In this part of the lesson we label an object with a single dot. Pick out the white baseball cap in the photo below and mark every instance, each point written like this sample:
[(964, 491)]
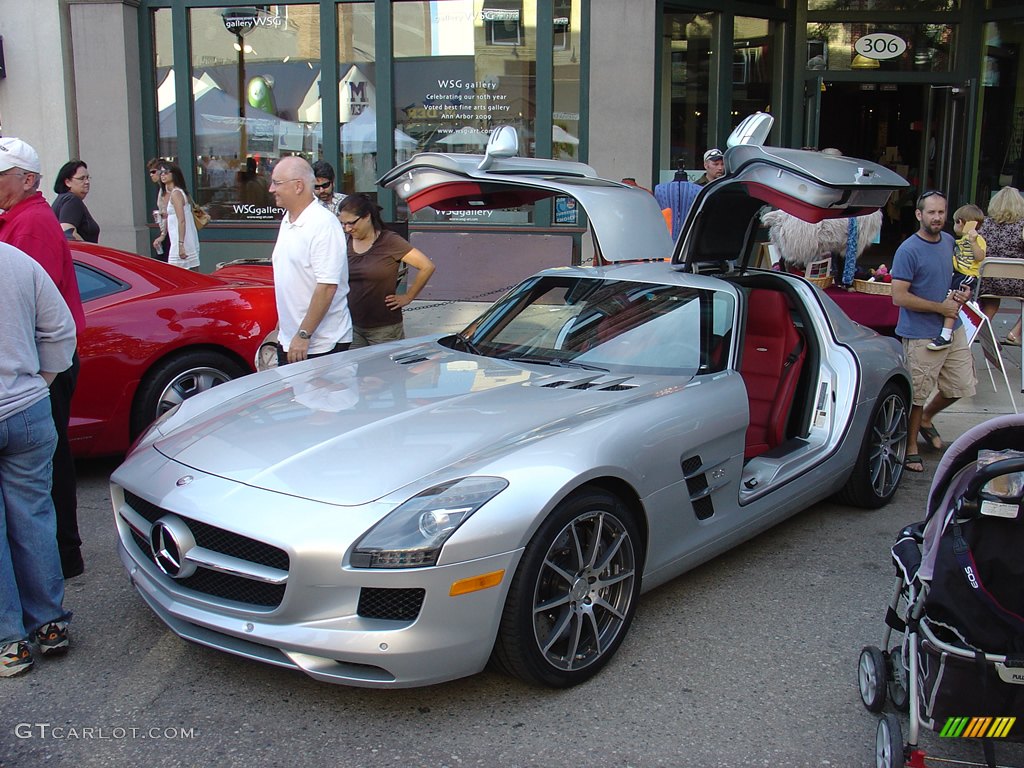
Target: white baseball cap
[(15, 153), (713, 154)]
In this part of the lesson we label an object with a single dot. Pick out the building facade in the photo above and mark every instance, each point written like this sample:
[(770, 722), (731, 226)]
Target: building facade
[(637, 88)]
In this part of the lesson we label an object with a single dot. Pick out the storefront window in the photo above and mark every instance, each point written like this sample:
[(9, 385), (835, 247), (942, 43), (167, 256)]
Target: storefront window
[(1001, 159), (357, 100), (565, 127), (883, 5), (163, 54), (690, 37), (462, 67), (751, 67), (255, 73), (839, 46)]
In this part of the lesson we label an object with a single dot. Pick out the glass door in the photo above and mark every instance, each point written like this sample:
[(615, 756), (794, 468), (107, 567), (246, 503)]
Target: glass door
[(944, 149)]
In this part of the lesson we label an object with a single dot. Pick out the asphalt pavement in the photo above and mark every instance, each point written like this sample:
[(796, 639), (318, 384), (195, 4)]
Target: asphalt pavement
[(749, 660)]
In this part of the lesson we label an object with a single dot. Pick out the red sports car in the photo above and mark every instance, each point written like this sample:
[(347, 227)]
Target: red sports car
[(156, 335)]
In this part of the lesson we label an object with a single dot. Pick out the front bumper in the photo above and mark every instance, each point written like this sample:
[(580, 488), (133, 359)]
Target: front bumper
[(320, 624)]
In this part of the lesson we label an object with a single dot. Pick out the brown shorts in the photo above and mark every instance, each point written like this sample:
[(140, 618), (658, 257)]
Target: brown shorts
[(951, 370), (365, 337)]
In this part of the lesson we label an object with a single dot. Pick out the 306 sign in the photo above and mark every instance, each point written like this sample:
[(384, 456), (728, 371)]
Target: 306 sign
[(880, 46)]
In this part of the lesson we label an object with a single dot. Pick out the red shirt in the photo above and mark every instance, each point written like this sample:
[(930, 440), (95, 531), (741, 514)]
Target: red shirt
[(32, 227)]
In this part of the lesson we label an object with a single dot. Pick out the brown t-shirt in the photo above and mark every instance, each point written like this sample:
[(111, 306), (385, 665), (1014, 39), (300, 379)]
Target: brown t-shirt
[(372, 276)]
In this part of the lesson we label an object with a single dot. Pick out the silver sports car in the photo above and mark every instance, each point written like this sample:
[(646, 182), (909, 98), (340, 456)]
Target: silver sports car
[(404, 514)]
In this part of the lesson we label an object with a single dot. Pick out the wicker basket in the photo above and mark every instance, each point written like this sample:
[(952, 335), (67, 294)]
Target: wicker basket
[(821, 282), (870, 286)]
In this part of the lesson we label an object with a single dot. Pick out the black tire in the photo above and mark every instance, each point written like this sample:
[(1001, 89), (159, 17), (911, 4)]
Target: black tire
[(592, 537), (871, 670), (889, 752), (176, 379), (879, 467), (897, 681)]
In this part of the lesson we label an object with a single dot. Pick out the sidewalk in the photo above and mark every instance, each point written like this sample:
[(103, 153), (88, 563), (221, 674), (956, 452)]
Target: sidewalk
[(987, 403), (422, 318)]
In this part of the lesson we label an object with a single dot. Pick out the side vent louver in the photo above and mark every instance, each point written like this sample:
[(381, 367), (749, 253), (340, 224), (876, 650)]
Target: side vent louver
[(416, 355), (697, 487), (602, 383)]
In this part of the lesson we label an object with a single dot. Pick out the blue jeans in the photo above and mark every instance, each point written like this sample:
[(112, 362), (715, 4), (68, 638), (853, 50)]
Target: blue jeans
[(31, 582)]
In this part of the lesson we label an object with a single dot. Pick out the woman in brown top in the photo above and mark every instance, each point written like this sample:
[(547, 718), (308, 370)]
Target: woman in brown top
[(375, 255)]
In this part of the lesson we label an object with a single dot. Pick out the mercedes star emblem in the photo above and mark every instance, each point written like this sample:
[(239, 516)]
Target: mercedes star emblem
[(170, 539)]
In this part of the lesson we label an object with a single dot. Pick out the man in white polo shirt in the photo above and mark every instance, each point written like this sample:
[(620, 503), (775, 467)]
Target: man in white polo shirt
[(310, 269)]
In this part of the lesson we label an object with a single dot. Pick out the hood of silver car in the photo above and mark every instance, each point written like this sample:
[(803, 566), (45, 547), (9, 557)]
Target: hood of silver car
[(352, 432)]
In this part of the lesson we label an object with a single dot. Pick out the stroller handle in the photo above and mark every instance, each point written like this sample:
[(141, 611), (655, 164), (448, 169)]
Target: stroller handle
[(969, 500)]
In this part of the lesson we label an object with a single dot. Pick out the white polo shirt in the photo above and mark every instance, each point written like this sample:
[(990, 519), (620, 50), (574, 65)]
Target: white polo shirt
[(310, 250)]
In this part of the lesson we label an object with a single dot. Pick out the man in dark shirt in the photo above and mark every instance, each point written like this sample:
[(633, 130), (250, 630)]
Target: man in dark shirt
[(714, 166), (29, 224)]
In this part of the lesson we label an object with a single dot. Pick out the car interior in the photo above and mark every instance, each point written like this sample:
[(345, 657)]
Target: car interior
[(777, 362), (773, 357)]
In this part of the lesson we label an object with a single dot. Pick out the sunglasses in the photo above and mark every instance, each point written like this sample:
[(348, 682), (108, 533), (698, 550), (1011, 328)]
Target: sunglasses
[(931, 193), (323, 186)]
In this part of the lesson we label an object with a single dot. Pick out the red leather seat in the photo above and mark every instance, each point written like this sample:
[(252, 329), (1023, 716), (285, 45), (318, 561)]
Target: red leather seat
[(773, 356)]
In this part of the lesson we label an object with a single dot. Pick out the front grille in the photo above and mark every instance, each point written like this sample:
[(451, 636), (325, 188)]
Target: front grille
[(236, 588), (236, 545), (394, 604), (214, 583), (216, 539)]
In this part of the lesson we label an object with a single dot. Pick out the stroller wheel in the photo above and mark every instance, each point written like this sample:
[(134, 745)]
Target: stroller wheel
[(899, 693), (889, 743), (871, 678)]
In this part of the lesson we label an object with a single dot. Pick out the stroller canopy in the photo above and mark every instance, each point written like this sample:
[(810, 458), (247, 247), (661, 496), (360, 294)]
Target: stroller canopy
[(998, 434)]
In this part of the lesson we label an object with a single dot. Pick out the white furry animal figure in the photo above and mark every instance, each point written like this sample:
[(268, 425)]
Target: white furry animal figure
[(801, 242)]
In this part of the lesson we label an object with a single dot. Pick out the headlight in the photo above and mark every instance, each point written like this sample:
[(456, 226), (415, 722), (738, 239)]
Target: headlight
[(412, 535)]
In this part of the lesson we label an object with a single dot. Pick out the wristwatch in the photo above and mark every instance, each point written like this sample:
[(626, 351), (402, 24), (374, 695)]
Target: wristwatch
[(303, 334)]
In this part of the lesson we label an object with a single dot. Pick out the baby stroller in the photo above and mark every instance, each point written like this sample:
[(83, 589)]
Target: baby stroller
[(954, 637)]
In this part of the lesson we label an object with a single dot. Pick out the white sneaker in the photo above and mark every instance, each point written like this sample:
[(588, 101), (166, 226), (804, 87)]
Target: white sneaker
[(15, 658)]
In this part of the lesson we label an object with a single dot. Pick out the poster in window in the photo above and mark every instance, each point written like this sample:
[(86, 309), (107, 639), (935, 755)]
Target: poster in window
[(565, 210)]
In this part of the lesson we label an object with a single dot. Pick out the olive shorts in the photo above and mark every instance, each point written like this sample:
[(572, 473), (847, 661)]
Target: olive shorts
[(365, 337), (951, 370)]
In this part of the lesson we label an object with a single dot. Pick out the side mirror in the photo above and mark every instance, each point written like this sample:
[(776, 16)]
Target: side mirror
[(503, 142), (753, 129)]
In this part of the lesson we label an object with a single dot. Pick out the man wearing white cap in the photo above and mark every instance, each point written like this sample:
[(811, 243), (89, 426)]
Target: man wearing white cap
[(29, 224), (714, 166)]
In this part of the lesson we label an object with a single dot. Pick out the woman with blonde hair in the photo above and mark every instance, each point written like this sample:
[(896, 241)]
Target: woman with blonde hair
[(182, 239), (1002, 232)]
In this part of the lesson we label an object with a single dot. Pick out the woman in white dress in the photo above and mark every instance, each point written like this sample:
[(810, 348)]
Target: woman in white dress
[(182, 243)]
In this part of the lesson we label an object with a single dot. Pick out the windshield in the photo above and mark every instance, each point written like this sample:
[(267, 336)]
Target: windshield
[(597, 324)]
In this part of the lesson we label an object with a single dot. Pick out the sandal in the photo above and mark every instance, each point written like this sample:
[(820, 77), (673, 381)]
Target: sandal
[(912, 460), (1011, 341), (931, 435)]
